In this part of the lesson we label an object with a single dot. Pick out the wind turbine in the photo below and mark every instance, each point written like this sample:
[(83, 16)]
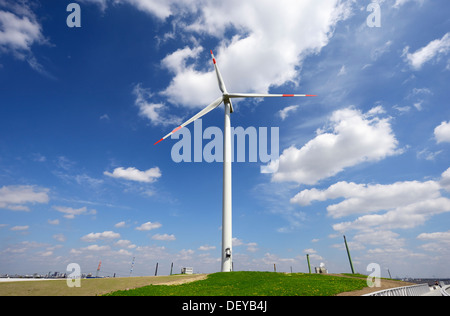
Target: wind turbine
[(226, 202)]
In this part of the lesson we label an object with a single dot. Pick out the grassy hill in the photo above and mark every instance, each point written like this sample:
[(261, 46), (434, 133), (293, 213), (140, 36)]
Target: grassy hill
[(254, 284)]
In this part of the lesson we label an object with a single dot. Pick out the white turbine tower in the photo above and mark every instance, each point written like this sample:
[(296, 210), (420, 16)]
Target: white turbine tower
[(226, 202)]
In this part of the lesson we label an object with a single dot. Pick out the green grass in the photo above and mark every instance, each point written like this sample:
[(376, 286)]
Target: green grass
[(254, 284)]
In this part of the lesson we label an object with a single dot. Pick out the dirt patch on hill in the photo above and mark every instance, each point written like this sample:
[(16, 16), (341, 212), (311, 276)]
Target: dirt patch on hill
[(90, 287), (186, 279)]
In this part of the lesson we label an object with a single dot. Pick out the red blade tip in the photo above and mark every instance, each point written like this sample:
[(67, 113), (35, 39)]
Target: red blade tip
[(158, 141), (176, 129)]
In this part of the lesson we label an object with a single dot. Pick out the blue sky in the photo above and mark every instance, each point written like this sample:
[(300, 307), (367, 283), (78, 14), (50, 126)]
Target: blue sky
[(80, 110)]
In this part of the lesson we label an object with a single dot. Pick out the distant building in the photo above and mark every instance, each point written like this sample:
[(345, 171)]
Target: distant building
[(187, 270), (321, 269)]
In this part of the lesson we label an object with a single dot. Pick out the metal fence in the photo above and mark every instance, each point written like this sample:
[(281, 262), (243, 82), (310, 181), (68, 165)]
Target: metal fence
[(413, 290)]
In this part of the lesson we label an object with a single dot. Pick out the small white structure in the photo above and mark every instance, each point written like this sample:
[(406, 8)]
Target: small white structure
[(187, 270), (321, 269)]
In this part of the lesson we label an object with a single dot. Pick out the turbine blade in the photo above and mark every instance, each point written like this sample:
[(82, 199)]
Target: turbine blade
[(203, 112), (219, 75), (256, 95)]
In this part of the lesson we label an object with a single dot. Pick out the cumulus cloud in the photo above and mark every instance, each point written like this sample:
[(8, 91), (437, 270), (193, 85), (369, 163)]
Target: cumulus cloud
[(120, 224), (400, 3), (399, 205), (20, 228), (155, 112), (408, 216), (20, 31), (445, 180), (445, 236), (148, 226), (164, 237), (352, 138), (442, 133), (244, 31), (295, 33), (95, 248), (19, 28), (434, 49), (284, 113), (16, 198), (96, 236), (70, 213), (206, 248), (133, 174), (366, 198), (161, 9)]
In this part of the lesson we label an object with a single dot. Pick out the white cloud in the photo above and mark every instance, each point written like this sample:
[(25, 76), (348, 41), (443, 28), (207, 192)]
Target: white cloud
[(309, 251), (206, 248), (363, 198), (445, 180), (343, 71), (133, 174), (354, 138), (246, 62), (284, 113), (294, 29), (53, 222), (404, 217), (18, 32), (164, 237), (381, 238), (176, 62), (440, 236), (252, 247), (158, 8), (155, 112), (94, 248), (148, 226), (270, 259), (20, 228), (400, 3), (125, 244), (71, 212), (96, 236), (120, 224), (186, 254), (434, 49), (400, 205), (442, 132), (60, 237), (438, 242), (15, 198)]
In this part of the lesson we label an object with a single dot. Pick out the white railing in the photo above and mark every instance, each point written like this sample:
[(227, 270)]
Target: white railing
[(445, 290), (413, 290)]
